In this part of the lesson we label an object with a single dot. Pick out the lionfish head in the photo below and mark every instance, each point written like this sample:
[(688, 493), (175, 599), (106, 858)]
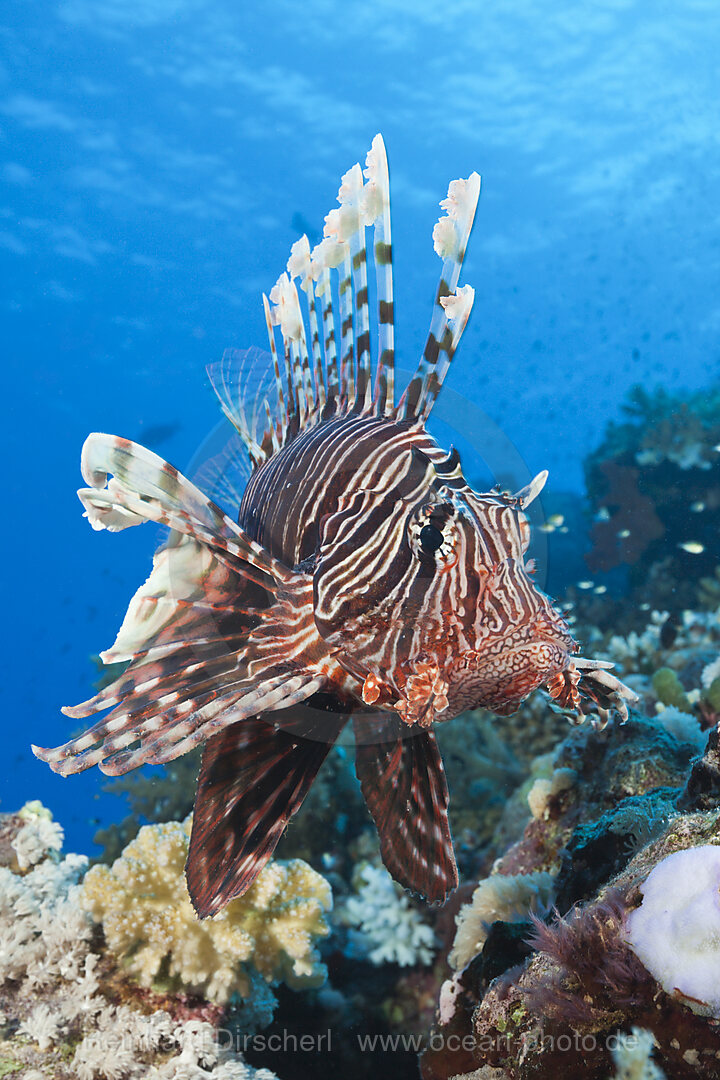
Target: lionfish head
[(422, 589)]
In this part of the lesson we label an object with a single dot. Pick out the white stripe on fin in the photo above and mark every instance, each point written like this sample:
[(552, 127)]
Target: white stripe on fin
[(450, 237), (377, 210), (328, 340)]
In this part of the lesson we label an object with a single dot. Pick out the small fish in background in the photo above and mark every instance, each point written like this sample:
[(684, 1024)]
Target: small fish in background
[(157, 434), (697, 507), (669, 630), (693, 547), (357, 578)]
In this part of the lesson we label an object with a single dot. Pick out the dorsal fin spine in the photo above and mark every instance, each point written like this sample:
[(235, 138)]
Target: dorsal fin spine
[(450, 237), (335, 375), (350, 224), (299, 266), (324, 293), (378, 191), (283, 406), (347, 362)]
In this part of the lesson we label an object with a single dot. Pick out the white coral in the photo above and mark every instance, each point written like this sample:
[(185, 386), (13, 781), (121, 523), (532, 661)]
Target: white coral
[(39, 836), (42, 1026), (392, 930), (676, 929), (43, 934), (683, 726), (710, 673)]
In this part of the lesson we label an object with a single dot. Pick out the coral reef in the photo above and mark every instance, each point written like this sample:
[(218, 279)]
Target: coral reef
[(68, 1012), (654, 494), (499, 898), (149, 923), (541, 996), (390, 930)]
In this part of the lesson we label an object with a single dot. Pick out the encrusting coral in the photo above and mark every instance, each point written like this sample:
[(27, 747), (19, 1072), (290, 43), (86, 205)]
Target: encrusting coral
[(148, 921), (639, 795), (500, 897), (676, 929)]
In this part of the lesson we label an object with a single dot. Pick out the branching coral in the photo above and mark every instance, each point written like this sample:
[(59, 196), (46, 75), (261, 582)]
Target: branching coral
[(38, 835), (59, 1021), (148, 920), (392, 930)]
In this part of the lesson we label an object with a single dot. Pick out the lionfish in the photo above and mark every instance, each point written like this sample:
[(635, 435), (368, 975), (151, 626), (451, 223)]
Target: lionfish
[(361, 579)]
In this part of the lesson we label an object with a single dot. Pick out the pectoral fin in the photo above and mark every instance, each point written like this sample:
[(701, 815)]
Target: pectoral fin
[(403, 781), (253, 779)]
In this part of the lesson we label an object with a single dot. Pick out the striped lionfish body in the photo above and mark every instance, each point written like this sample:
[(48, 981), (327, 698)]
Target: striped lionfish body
[(359, 579)]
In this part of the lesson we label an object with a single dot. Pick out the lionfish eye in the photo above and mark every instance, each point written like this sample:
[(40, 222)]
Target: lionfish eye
[(431, 538)]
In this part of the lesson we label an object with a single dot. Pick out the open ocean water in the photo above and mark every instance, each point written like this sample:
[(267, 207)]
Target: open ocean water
[(158, 158)]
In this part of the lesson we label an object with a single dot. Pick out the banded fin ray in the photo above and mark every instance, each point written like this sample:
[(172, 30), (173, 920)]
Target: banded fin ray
[(178, 707), (403, 783), (452, 304), (147, 488), (333, 374), (253, 779), (185, 696), (243, 381)]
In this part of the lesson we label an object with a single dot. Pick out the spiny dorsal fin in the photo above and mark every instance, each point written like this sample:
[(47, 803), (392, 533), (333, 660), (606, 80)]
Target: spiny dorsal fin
[(313, 383), (299, 266), (452, 305), (377, 194)]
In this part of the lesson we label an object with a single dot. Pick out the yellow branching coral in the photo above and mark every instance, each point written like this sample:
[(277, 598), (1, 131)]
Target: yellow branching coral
[(144, 907)]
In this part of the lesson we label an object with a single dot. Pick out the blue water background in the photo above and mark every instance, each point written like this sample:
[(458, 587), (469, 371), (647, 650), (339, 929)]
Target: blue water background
[(160, 156)]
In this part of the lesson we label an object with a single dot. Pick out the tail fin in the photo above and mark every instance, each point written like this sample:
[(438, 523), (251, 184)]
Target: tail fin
[(253, 779), (403, 782)]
